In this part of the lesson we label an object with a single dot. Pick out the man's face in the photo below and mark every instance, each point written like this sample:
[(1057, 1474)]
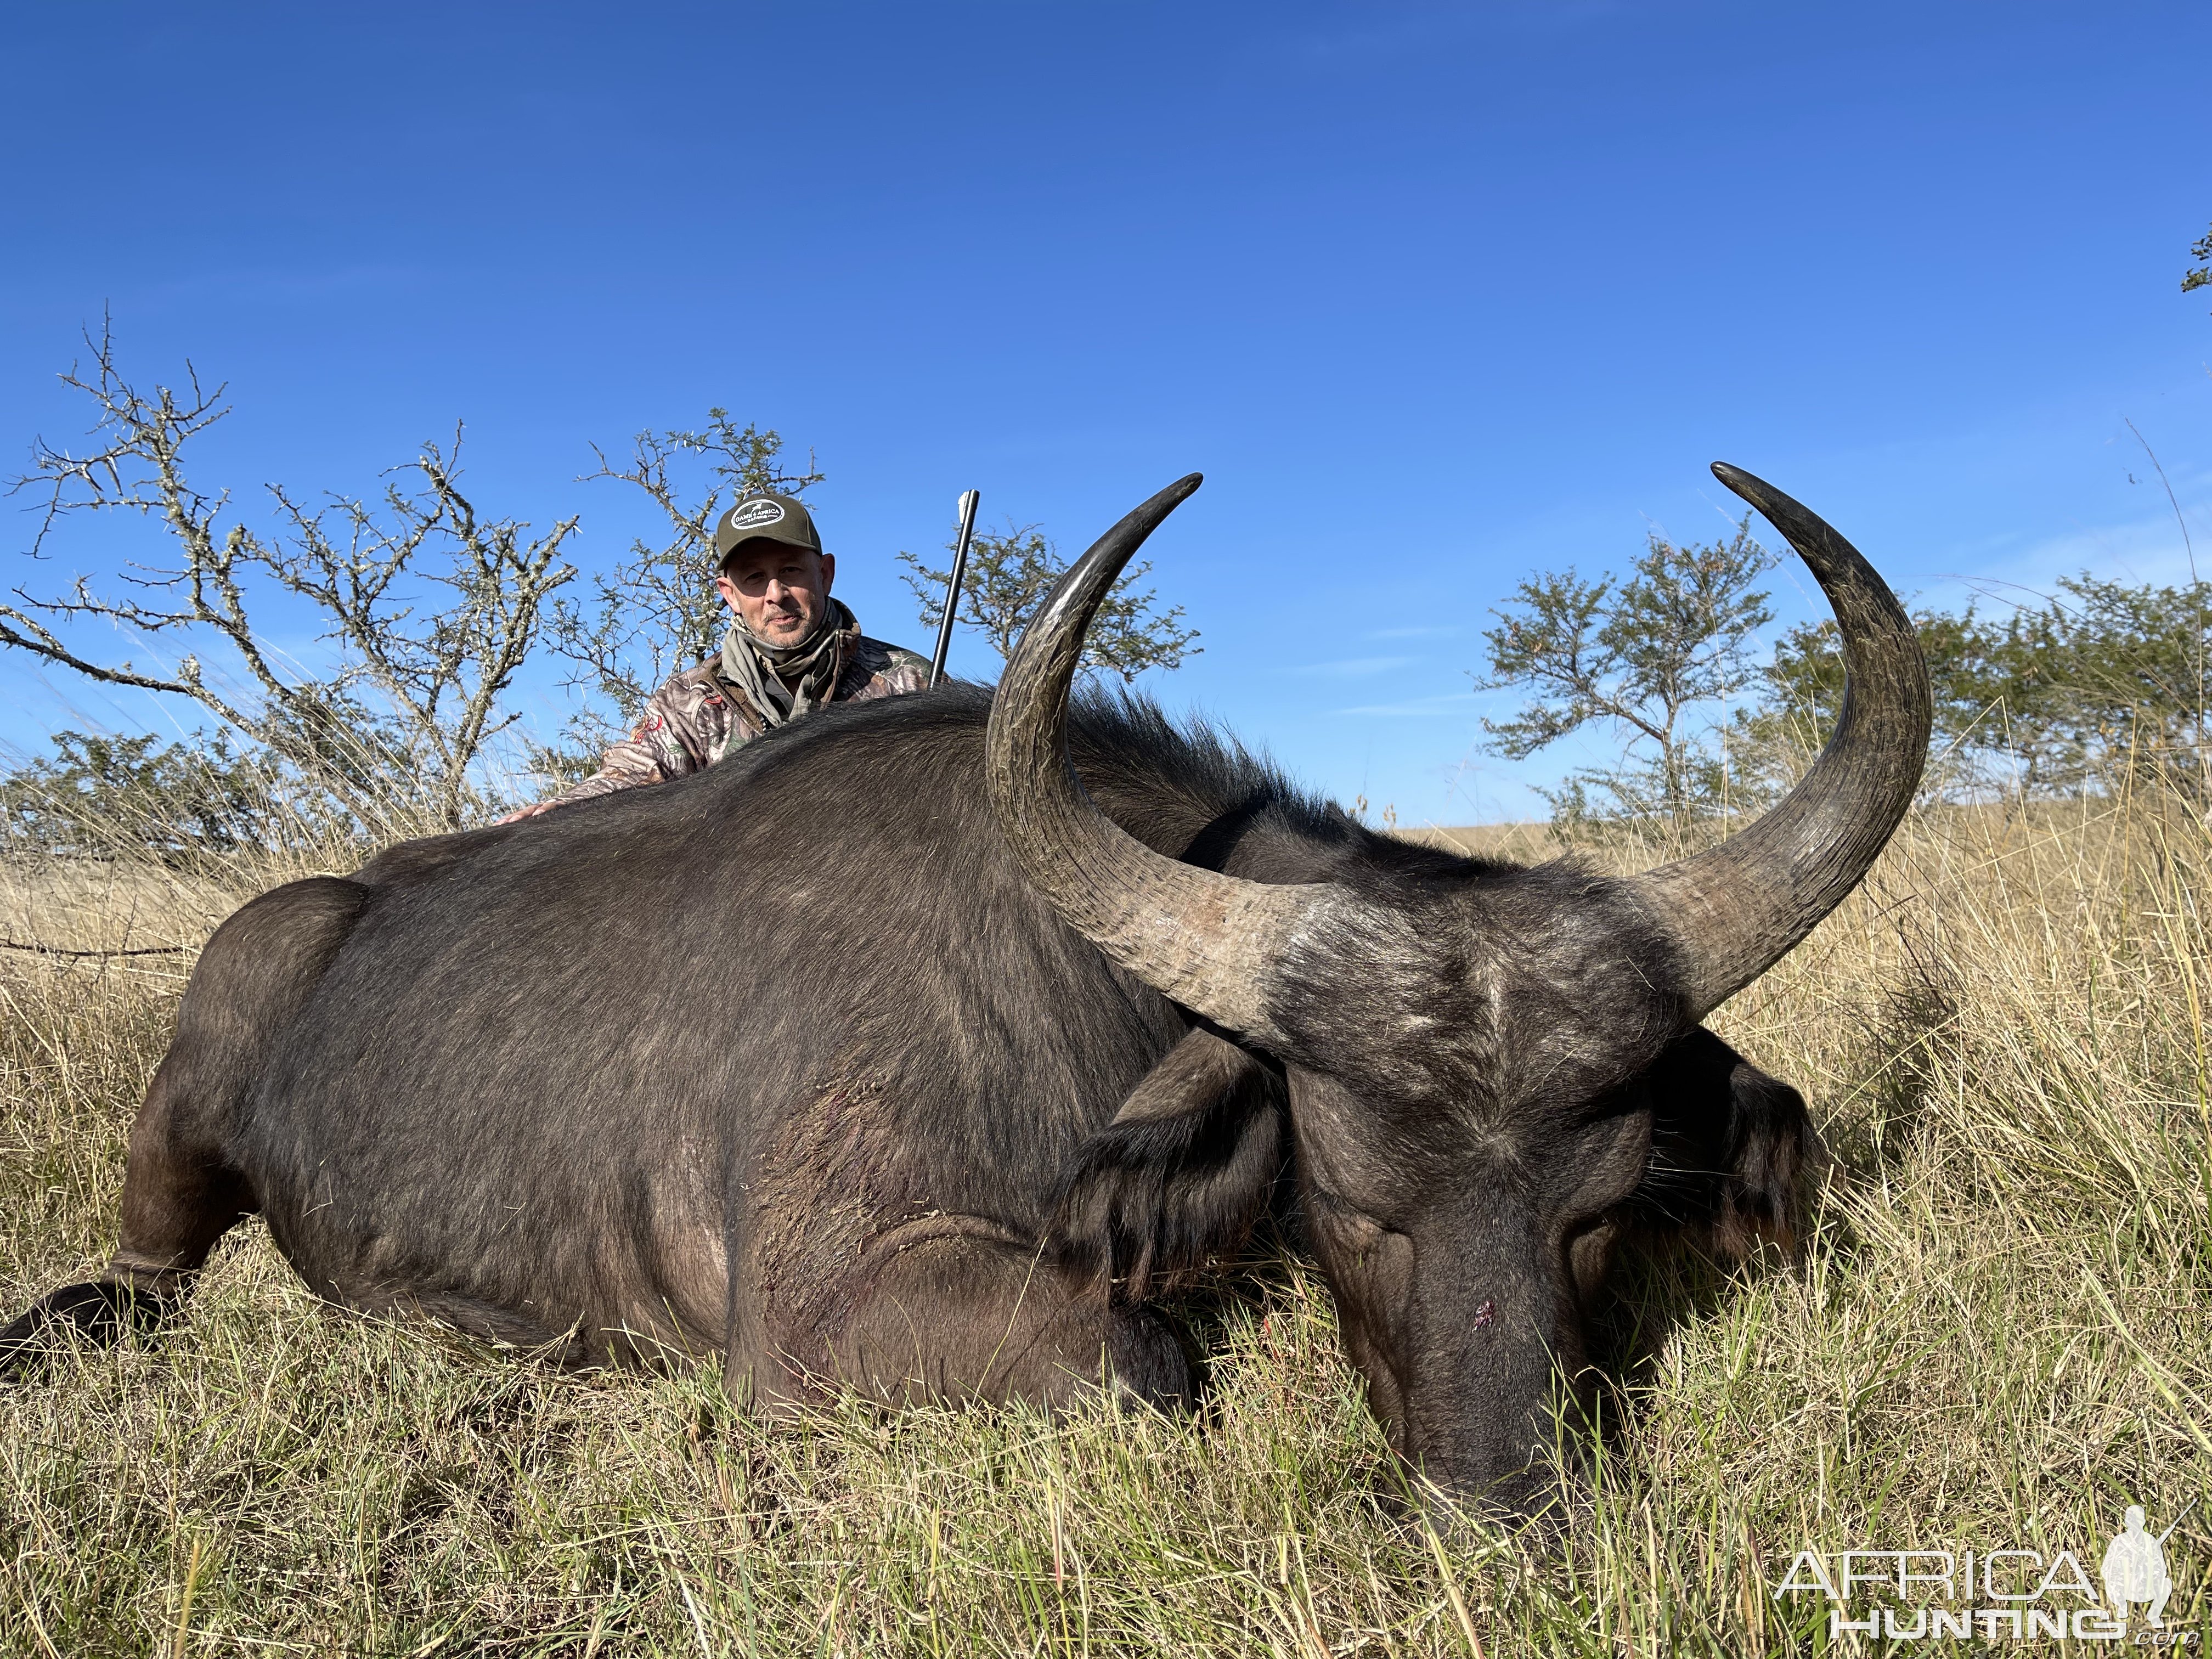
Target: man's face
[(779, 592)]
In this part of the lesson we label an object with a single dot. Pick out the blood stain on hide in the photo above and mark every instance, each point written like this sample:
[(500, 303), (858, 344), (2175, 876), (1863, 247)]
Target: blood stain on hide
[(830, 1182), (1484, 1314)]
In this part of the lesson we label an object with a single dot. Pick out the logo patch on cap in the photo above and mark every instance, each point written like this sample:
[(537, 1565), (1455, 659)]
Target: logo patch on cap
[(752, 515)]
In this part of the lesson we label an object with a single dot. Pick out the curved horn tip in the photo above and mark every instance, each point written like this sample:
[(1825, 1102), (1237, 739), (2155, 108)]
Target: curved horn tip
[(1748, 485), (1151, 512), (1796, 521)]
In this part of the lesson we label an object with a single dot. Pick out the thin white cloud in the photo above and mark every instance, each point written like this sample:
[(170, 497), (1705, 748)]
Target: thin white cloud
[(1449, 703), (2150, 549), (1999, 573), (1352, 668)]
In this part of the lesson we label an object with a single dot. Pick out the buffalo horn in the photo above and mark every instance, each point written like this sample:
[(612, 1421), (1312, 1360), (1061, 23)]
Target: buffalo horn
[(1205, 939), (1735, 908)]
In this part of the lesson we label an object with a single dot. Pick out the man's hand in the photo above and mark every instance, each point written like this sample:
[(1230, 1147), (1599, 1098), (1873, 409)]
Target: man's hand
[(530, 812)]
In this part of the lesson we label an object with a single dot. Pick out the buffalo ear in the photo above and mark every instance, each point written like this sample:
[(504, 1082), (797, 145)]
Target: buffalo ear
[(1180, 1175), (1732, 1150), (1773, 1150)]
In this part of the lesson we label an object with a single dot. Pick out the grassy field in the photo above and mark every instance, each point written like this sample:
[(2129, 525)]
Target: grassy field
[(1994, 1339)]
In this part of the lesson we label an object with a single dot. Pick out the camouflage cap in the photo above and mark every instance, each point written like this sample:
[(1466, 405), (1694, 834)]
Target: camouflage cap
[(764, 518)]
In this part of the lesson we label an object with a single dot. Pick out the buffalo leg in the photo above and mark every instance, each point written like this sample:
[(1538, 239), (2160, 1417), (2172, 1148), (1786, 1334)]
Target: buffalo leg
[(182, 1190), (955, 1309), (175, 1206)]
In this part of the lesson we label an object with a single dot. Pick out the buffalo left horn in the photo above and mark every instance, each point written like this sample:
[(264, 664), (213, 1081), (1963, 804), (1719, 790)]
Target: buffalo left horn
[(1734, 909), (1204, 939)]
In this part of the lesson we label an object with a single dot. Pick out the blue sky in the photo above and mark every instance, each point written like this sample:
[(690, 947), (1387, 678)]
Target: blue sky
[(1436, 295)]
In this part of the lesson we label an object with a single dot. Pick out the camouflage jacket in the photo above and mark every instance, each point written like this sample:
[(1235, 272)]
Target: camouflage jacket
[(697, 717)]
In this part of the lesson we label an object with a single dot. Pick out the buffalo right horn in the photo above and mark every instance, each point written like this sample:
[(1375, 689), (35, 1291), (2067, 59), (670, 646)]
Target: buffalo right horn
[(1206, 940), (1735, 908)]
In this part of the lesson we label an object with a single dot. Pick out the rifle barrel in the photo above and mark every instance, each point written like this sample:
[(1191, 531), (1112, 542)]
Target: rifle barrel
[(968, 500)]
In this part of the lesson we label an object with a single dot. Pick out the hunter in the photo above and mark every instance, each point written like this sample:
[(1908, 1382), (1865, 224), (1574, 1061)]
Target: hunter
[(790, 648)]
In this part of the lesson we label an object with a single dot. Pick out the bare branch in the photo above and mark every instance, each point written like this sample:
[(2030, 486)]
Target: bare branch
[(438, 669)]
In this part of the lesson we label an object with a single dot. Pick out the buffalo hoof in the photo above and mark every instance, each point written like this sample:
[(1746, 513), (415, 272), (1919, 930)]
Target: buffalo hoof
[(98, 1314)]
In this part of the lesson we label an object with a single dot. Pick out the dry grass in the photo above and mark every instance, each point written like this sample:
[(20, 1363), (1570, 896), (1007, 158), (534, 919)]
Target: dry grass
[(1996, 1340)]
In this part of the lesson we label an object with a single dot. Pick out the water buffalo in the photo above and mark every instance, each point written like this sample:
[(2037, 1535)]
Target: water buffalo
[(919, 1046)]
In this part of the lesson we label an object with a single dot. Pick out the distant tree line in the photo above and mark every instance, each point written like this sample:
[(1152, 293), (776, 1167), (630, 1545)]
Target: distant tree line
[(2069, 695)]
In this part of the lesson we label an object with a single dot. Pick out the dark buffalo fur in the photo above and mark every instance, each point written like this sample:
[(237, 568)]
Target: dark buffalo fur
[(787, 1062)]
